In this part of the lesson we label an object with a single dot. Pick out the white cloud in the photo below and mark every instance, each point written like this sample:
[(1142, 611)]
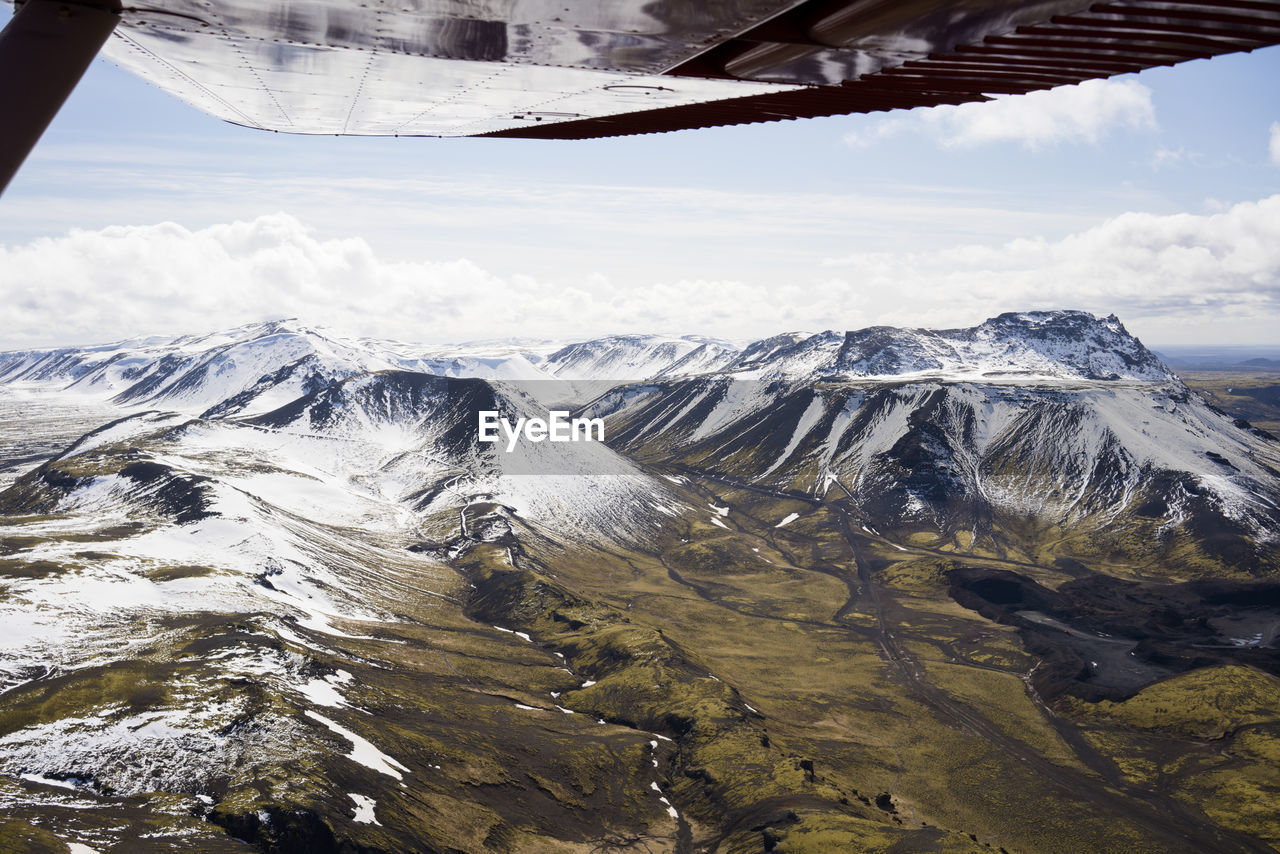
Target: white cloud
[(1275, 143), (1179, 270), (877, 128), (637, 232), (1085, 112), (94, 286), (1175, 157), (1214, 277), (1168, 157)]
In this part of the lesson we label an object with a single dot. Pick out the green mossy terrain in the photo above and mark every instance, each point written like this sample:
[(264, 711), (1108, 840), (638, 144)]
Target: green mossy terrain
[(1211, 738), (1251, 395), (812, 687), (1203, 704)]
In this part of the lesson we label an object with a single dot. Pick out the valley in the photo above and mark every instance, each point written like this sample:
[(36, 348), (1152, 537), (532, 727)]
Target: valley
[(1251, 395), (1003, 589)]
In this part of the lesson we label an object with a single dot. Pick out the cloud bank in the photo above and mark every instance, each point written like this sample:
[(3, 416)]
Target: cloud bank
[(1178, 272), (1206, 277), (1085, 112)]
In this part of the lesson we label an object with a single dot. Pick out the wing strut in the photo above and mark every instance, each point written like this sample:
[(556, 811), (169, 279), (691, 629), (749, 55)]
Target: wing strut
[(44, 51)]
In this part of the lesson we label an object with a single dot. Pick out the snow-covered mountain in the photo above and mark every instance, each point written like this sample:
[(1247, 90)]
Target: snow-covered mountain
[(266, 363), (249, 518), (950, 456), (1028, 346), (261, 366), (1060, 416), (638, 357), (1046, 418)]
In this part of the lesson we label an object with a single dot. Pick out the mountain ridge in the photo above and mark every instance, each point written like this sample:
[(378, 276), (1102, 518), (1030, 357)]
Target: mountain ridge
[(279, 595), (204, 372), (925, 425)]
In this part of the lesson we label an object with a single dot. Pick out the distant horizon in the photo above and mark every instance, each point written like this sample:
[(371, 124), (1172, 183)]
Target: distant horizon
[(1178, 280), (1155, 196), (1260, 349)]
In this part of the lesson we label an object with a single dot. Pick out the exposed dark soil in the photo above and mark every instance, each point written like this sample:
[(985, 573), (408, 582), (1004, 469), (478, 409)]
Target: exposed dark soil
[(1105, 638)]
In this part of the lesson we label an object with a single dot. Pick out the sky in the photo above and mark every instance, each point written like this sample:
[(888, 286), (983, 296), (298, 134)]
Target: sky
[(1153, 196)]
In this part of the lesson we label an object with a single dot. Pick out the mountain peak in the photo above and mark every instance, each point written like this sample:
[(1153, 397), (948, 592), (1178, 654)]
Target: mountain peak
[(1063, 321), (244, 369), (1057, 345)]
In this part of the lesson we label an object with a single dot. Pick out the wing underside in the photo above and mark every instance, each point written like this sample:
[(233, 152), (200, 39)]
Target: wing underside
[(573, 69)]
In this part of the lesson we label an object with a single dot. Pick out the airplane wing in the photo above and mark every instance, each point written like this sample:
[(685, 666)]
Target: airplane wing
[(577, 68), (574, 69)]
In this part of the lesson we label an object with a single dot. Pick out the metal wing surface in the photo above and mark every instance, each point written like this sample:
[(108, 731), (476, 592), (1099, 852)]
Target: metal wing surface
[(590, 68)]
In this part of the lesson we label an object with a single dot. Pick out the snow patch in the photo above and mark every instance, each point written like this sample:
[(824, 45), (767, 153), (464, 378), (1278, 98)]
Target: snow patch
[(47, 781), (362, 751), (364, 809), (324, 692)]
